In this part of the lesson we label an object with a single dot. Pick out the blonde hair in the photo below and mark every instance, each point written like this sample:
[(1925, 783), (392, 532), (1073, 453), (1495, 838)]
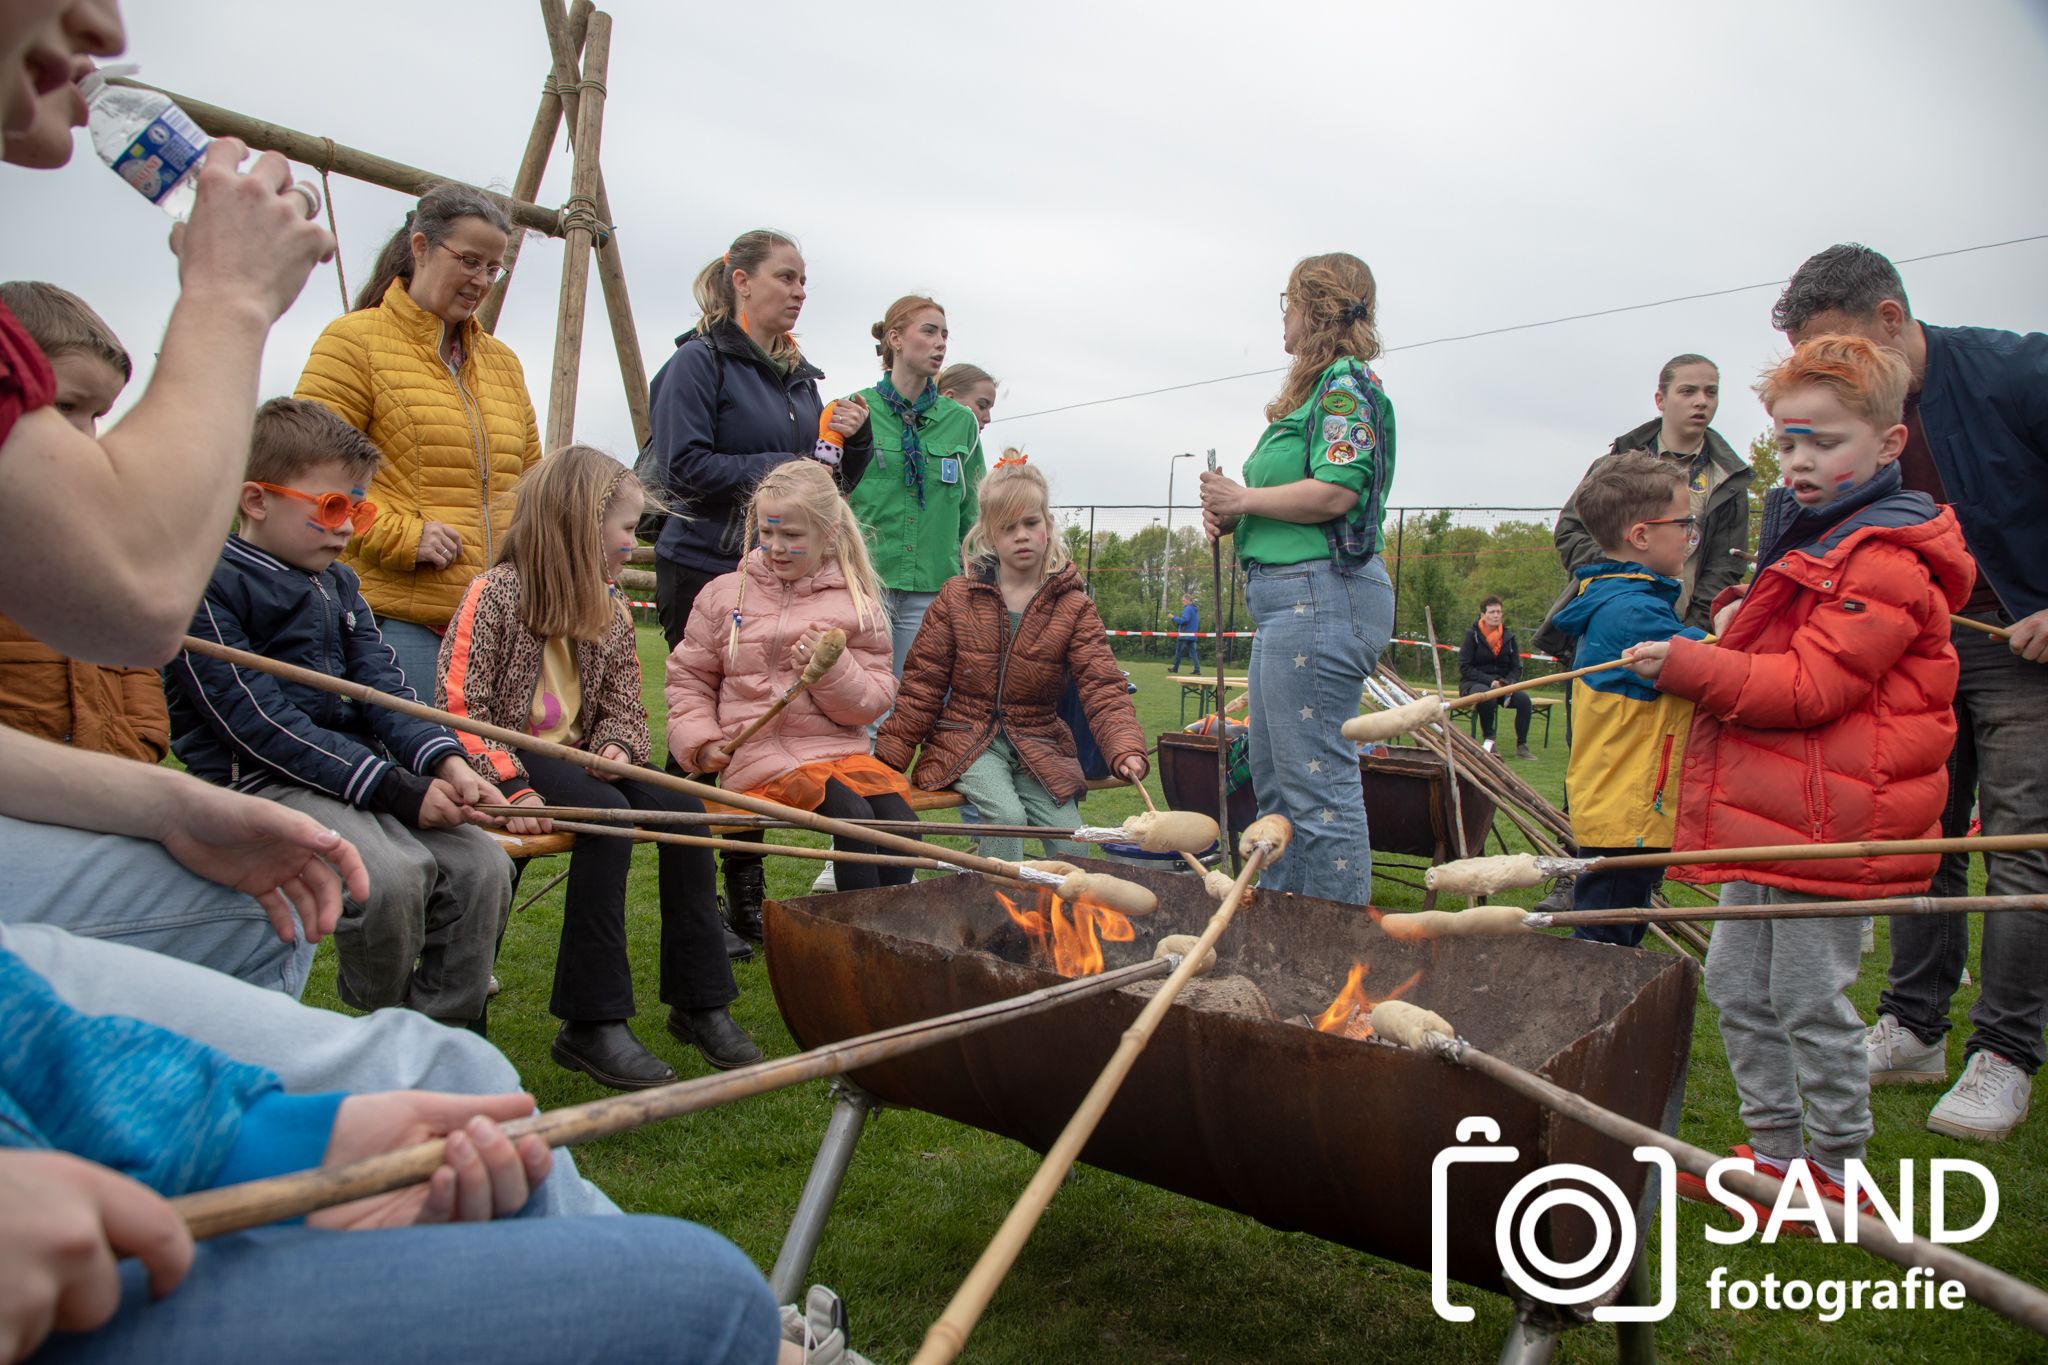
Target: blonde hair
[(718, 302), (895, 320), (556, 543), (955, 379), (1340, 311), (1008, 492), (807, 486)]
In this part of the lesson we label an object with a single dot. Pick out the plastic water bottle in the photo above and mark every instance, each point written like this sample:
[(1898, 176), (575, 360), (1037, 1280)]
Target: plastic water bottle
[(146, 139)]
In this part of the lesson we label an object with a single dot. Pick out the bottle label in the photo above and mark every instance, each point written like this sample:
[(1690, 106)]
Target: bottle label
[(162, 154)]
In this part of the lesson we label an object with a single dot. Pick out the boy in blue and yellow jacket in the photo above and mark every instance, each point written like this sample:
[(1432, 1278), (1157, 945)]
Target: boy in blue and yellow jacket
[(1628, 738)]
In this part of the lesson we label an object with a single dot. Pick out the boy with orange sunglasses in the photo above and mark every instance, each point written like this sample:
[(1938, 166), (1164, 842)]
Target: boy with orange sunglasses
[(397, 788)]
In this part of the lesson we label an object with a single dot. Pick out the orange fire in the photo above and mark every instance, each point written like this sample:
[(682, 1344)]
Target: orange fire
[(1069, 938), (1350, 1014)]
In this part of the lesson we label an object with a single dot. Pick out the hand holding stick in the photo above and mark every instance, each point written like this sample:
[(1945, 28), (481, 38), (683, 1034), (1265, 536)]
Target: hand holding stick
[(827, 653)]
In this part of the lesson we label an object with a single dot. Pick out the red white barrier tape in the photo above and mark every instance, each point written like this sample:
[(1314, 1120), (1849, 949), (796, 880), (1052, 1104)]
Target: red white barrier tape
[(1185, 634)]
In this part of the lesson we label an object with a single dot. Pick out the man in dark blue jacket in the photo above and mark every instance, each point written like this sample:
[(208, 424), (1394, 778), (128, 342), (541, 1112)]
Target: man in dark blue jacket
[(1184, 639), (1977, 424)]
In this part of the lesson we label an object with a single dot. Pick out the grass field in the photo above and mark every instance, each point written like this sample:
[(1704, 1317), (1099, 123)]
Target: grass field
[(1120, 1271)]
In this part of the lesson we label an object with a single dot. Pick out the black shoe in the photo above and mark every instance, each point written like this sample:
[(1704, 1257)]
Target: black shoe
[(712, 1032), (745, 880), (609, 1054), (736, 948)]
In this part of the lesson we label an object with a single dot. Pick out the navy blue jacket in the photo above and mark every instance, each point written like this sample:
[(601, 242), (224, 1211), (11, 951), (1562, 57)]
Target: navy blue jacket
[(722, 418), (237, 727), (1984, 408)]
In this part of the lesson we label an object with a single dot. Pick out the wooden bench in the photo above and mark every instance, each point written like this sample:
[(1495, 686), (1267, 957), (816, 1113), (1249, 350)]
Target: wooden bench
[(521, 847), (1205, 694), (1541, 707)]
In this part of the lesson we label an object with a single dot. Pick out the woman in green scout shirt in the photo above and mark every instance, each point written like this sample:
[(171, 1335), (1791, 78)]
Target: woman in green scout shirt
[(1307, 526), (917, 498)]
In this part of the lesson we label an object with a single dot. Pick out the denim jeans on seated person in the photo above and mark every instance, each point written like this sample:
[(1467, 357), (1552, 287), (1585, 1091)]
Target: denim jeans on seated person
[(1320, 630), (419, 653)]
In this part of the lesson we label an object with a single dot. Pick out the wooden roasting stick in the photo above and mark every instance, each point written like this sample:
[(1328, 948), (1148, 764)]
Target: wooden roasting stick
[(1995, 632), (1374, 726), (1113, 893), (1172, 831), (1483, 876), (1410, 1026), (1510, 919), (1264, 840), (233, 1208), (830, 646)]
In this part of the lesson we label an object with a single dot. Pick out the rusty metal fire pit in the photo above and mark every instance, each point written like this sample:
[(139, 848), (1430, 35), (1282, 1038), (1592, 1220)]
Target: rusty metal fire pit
[(1300, 1129)]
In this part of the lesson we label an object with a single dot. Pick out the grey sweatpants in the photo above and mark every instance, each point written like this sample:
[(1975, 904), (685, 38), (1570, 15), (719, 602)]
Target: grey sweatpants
[(428, 936), (1790, 1031), (312, 1051)]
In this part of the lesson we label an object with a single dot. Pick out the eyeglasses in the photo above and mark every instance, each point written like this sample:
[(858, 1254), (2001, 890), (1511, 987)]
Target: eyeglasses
[(473, 264), (1691, 525), (1285, 300), (331, 511)]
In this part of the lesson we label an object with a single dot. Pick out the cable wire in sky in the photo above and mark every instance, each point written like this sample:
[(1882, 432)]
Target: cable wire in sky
[(1498, 331)]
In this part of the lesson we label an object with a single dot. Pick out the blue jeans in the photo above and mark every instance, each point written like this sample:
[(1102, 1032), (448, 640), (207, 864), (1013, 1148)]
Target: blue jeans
[(906, 614), (1320, 630), (122, 890), (1187, 643), (2001, 731), (419, 654), (1625, 888), (523, 1289)]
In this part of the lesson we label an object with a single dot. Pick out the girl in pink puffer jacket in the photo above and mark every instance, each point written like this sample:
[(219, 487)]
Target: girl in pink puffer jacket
[(751, 634)]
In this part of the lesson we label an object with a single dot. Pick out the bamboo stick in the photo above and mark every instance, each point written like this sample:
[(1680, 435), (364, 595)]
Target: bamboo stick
[(1450, 762), (514, 739), (1222, 703), (747, 846), (1265, 839), (578, 217), (1995, 1289), (233, 1208), (657, 818), (565, 43), (1903, 905), (326, 153)]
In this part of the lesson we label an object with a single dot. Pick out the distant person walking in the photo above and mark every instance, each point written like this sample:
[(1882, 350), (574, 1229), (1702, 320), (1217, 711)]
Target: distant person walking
[(1184, 627)]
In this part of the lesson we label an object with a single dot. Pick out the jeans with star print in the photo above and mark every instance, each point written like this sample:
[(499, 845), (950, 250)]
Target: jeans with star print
[(1321, 628)]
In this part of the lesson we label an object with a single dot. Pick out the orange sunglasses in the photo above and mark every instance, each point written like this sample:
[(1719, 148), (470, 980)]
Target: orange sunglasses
[(331, 511)]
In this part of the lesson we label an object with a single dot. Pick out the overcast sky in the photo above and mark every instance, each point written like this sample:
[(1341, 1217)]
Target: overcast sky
[(1108, 197)]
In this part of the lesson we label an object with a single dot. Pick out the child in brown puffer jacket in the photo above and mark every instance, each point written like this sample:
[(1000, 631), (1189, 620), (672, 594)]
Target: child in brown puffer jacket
[(982, 683)]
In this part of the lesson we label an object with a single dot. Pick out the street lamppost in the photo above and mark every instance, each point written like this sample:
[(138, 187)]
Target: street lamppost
[(1166, 574)]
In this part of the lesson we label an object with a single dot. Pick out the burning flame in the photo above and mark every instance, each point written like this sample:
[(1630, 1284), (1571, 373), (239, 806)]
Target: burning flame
[(1069, 938), (1350, 1014)]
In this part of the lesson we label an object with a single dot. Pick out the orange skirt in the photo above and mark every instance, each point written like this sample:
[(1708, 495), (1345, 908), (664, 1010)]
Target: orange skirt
[(804, 787)]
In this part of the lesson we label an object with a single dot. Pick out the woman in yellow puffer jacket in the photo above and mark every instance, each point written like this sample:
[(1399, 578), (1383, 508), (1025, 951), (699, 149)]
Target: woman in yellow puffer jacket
[(445, 401)]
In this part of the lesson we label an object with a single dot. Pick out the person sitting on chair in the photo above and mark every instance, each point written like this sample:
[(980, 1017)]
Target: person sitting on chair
[(1488, 659)]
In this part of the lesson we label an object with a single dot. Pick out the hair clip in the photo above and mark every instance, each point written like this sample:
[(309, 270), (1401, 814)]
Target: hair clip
[(1012, 457)]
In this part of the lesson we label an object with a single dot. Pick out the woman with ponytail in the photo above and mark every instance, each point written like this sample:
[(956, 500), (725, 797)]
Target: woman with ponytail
[(736, 400), (1306, 522), (917, 500), (412, 369)]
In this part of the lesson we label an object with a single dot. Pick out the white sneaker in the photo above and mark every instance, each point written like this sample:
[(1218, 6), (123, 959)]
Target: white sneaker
[(1869, 944), (827, 881), (819, 1327), (1987, 1103), (1897, 1057)]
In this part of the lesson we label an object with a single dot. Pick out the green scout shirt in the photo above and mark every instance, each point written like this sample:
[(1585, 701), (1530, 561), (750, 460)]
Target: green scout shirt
[(916, 549), (1333, 436)]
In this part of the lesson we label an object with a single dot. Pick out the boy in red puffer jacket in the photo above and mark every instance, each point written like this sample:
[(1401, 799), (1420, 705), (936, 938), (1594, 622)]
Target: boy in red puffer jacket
[(1824, 715)]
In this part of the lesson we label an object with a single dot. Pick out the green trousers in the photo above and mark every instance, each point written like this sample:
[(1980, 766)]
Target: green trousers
[(1005, 793)]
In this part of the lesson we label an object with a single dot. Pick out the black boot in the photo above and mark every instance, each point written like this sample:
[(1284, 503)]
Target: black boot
[(1560, 897), (745, 879), (609, 1054), (712, 1032), (737, 949)]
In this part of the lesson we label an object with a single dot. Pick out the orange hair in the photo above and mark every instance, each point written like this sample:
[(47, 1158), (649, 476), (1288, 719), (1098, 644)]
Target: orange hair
[(1869, 379)]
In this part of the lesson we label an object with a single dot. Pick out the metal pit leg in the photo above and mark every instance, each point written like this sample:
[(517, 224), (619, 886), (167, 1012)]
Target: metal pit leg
[(1636, 1342), (1532, 1340), (828, 1173)]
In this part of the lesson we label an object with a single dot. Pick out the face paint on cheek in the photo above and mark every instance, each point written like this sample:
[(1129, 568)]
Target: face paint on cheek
[(1849, 477)]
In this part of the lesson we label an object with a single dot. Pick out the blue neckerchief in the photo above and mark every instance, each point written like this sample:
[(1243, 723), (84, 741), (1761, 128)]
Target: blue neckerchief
[(910, 414), (1805, 525)]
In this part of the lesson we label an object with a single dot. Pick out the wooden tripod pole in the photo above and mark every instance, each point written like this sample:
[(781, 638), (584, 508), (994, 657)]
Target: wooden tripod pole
[(948, 1336), (514, 739), (2001, 1293), (533, 164), (579, 222), (233, 1208)]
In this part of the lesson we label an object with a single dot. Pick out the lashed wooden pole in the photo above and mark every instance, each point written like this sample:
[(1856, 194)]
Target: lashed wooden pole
[(233, 1208), (579, 221), (533, 164), (565, 40), (1264, 839)]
